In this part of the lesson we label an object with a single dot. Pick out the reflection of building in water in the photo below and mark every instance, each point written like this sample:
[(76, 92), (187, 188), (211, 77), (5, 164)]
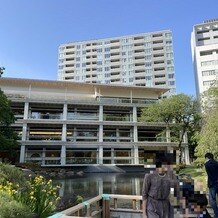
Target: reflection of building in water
[(74, 124), (98, 184)]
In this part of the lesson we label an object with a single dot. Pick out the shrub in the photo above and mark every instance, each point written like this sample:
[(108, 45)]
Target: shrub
[(41, 196), (180, 167), (11, 208), (9, 173)]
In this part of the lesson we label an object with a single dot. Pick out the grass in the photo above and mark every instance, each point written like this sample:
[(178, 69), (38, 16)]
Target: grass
[(199, 175)]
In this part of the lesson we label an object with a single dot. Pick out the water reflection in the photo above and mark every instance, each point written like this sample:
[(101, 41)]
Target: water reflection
[(91, 185)]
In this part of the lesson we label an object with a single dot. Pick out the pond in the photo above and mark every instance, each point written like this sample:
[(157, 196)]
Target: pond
[(93, 184)]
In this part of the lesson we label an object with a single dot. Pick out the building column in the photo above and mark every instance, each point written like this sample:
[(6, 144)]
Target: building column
[(43, 156), (65, 111), (26, 110), (168, 135), (100, 137), (112, 155), (101, 115), (135, 133), (136, 154), (117, 134), (24, 132), (100, 154), (22, 153), (134, 114), (63, 155), (64, 133)]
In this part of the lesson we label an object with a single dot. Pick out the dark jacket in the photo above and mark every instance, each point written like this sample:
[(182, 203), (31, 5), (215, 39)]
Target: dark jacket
[(211, 167)]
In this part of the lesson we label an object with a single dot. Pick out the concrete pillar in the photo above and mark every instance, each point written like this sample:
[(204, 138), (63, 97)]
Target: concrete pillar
[(65, 111), (100, 133), (135, 133), (185, 138), (24, 132), (26, 110), (101, 115), (63, 155), (43, 156), (64, 133), (100, 154), (168, 139), (136, 154), (112, 155), (134, 114), (117, 134), (22, 153)]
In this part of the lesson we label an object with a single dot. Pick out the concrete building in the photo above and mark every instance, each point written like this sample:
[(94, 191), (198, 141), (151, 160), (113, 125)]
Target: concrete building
[(204, 43), (73, 124), (143, 60)]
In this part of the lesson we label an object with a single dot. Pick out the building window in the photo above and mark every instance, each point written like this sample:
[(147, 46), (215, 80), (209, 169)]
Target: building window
[(208, 73), (208, 83), (77, 65), (171, 76), (77, 59), (107, 55), (171, 83), (208, 63)]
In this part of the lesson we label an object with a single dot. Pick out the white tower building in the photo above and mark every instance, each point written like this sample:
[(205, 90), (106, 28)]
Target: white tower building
[(204, 42)]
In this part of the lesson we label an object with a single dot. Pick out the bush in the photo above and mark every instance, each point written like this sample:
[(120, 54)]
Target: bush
[(180, 167), (10, 208), (9, 173), (41, 196)]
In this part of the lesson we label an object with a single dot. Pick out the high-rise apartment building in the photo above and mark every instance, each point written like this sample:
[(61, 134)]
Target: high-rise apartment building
[(143, 60), (204, 42)]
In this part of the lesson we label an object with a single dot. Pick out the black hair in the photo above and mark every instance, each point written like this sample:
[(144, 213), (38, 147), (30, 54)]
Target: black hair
[(208, 155), (199, 199)]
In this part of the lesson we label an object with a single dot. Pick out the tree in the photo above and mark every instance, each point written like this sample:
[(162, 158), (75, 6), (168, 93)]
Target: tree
[(179, 112), (208, 136), (8, 138), (1, 71)]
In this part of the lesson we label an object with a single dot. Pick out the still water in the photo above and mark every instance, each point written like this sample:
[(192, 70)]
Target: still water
[(93, 184)]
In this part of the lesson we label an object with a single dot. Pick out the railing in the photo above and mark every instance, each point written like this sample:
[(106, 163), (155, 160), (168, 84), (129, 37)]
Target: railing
[(117, 118), (106, 206), (47, 116), (81, 160), (152, 139), (82, 117)]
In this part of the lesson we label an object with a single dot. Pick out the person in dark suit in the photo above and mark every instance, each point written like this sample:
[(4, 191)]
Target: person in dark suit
[(211, 167)]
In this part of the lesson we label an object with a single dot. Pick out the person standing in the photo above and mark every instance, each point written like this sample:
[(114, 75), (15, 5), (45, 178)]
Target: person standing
[(156, 191), (211, 167)]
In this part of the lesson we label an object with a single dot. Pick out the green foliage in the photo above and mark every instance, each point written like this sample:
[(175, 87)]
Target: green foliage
[(9, 173), (208, 136), (179, 112), (79, 199), (12, 208), (41, 196), (7, 135), (38, 194)]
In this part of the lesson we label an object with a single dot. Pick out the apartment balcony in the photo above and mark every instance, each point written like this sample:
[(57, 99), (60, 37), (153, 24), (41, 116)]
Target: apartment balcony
[(151, 139), (159, 65), (141, 67), (139, 61), (44, 138), (138, 47), (115, 76), (139, 54), (69, 68), (115, 69)]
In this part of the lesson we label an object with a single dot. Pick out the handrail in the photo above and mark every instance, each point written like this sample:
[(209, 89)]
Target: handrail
[(101, 205)]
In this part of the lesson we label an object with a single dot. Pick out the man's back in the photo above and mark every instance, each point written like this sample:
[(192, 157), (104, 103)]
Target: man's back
[(212, 172)]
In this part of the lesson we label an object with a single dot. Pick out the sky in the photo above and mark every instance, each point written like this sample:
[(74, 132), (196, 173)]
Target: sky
[(32, 30)]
